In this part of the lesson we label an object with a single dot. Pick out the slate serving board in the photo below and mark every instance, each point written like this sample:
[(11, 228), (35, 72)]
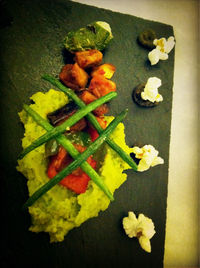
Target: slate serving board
[(32, 35)]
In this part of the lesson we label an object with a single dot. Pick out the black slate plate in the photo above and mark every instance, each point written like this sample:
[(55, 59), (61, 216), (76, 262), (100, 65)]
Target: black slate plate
[(32, 35)]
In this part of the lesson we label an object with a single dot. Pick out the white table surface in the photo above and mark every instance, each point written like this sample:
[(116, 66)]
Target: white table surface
[(182, 241)]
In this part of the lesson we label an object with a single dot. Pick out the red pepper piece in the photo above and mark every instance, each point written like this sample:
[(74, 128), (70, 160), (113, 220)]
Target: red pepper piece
[(78, 180)]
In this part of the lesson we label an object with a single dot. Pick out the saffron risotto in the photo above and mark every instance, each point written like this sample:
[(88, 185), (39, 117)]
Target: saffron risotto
[(60, 210)]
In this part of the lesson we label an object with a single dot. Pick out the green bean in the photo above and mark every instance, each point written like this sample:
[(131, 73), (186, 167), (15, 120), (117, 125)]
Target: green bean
[(76, 163), (126, 157), (68, 123)]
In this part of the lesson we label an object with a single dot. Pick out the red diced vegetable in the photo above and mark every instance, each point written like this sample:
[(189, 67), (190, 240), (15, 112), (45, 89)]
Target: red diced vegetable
[(88, 58), (78, 180), (88, 97), (73, 76), (57, 162), (100, 86), (106, 69), (77, 184)]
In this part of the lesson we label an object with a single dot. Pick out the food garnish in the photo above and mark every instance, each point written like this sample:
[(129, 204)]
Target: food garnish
[(163, 48), (160, 47), (96, 35), (136, 95), (148, 156), (146, 38), (147, 95), (151, 90), (141, 227)]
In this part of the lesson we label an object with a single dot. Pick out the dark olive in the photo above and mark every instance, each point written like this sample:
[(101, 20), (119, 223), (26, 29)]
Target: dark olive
[(138, 99), (146, 38), (62, 113)]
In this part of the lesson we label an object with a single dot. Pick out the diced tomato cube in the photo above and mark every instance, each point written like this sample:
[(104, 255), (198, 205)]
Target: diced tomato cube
[(88, 58), (78, 184), (100, 86), (78, 180), (88, 97), (73, 76), (106, 69), (102, 122)]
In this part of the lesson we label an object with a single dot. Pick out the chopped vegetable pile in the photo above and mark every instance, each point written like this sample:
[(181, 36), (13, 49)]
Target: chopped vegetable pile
[(68, 152), (90, 81)]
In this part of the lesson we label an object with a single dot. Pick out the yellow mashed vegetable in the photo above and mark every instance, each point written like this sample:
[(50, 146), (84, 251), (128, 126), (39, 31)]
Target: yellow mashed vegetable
[(60, 210)]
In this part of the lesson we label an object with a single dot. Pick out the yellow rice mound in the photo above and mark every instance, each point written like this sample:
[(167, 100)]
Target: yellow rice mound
[(60, 210)]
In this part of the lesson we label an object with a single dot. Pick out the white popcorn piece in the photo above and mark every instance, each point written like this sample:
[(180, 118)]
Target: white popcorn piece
[(148, 156), (130, 224), (155, 55), (145, 243), (165, 45), (163, 48), (141, 227), (151, 90)]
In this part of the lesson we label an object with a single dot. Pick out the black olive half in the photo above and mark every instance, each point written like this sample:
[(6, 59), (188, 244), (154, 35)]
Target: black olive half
[(146, 38), (62, 113), (138, 99)]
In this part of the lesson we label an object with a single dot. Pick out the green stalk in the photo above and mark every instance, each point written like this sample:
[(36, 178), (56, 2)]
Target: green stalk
[(79, 161), (67, 124), (126, 157)]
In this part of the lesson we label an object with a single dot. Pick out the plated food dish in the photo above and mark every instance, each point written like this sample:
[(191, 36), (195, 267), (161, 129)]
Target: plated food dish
[(138, 126), (81, 199), (90, 80)]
